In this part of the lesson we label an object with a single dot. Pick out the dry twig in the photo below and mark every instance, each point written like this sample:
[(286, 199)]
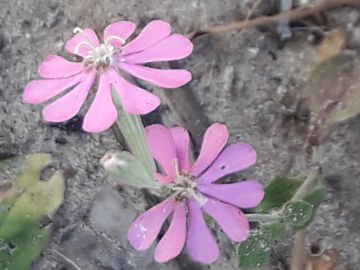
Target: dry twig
[(291, 15)]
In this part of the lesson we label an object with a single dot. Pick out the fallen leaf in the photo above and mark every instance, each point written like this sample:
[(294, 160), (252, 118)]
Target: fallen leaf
[(6, 190), (332, 45), (325, 261)]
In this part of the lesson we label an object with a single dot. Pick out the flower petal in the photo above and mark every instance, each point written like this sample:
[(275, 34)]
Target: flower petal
[(214, 141), (38, 91), (182, 140), (70, 104), (134, 100), (122, 29), (234, 158), (167, 78), (82, 42), (162, 148), (152, 33), (55, 66), (102, 112), (200, 243), (172, 243), (245, 194), (144, 230), (231, 219), (173, 47)]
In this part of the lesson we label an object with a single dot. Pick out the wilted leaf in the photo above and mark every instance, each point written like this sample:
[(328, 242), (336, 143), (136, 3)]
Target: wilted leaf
[(123, 167), (255, 251), (278, 192), (22, 237), (6, 190), (333, 90), (325, 261), (332, 45), (298, 214)]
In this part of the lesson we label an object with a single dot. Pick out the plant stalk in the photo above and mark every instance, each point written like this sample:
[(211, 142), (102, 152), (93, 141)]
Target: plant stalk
[(263, 218), (132, 130)]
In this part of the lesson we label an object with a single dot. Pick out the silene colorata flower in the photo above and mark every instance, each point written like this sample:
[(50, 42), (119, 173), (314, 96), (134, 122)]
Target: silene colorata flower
[(104, 61), (192, 190)]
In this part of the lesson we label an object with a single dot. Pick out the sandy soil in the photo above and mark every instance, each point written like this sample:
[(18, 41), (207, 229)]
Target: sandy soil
[(250, 80)]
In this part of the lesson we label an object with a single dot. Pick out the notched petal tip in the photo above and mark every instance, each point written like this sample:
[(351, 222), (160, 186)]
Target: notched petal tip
[(215, 138), (144, 230)]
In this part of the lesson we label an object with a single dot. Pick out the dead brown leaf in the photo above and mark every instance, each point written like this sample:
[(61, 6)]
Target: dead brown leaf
[(332, 45), (6, 190), (325, 261)]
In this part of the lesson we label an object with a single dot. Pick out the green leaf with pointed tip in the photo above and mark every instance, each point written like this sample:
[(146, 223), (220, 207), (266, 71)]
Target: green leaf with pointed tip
[(278, 192), (255, 251), (298, 214), (21, 236), (123, 167), (316, 196)]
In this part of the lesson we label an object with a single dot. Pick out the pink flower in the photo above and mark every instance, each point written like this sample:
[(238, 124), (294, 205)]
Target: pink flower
[(154, 43), (192, 191)]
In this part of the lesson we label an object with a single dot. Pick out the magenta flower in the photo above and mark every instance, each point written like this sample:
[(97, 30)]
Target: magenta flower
[(154, 43), (192, 190)]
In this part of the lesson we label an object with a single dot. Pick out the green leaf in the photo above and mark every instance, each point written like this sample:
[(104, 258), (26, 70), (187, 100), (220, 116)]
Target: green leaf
[(298, 214), (278, 192), (255, 251), (123, 167), (316, 196), (21, 236)]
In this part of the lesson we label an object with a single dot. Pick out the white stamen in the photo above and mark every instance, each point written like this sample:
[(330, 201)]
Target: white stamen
[(100, 57), (78, 30), (116, 38), (77, 48)]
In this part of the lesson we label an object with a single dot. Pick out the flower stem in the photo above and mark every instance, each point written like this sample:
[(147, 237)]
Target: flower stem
[(133, 132), (263, 218), (307, 186)]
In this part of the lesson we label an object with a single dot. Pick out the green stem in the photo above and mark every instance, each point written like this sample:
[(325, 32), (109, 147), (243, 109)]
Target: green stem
[(263, 218), (307, 186), (133, 132)]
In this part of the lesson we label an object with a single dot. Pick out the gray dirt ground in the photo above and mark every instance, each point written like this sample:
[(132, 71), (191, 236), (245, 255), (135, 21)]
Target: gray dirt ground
[(248, 80)]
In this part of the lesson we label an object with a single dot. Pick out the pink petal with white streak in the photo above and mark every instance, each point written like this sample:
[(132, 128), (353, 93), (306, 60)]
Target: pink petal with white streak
[(214, 141), (54, 67), (231, 219), (144, 230), (234, 158), (173, 47), (152, 33), (134, 100), (102, 112), (162, 148), (245, 194), (200, 243), (167, 78), (182, 143), (70, 104), (122, 29), (82, 42), (173, 241), (38, 91)]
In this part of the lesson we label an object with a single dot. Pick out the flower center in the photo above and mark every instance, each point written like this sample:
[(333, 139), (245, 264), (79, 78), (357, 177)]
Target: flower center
[(99, 58), (184, 187)]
